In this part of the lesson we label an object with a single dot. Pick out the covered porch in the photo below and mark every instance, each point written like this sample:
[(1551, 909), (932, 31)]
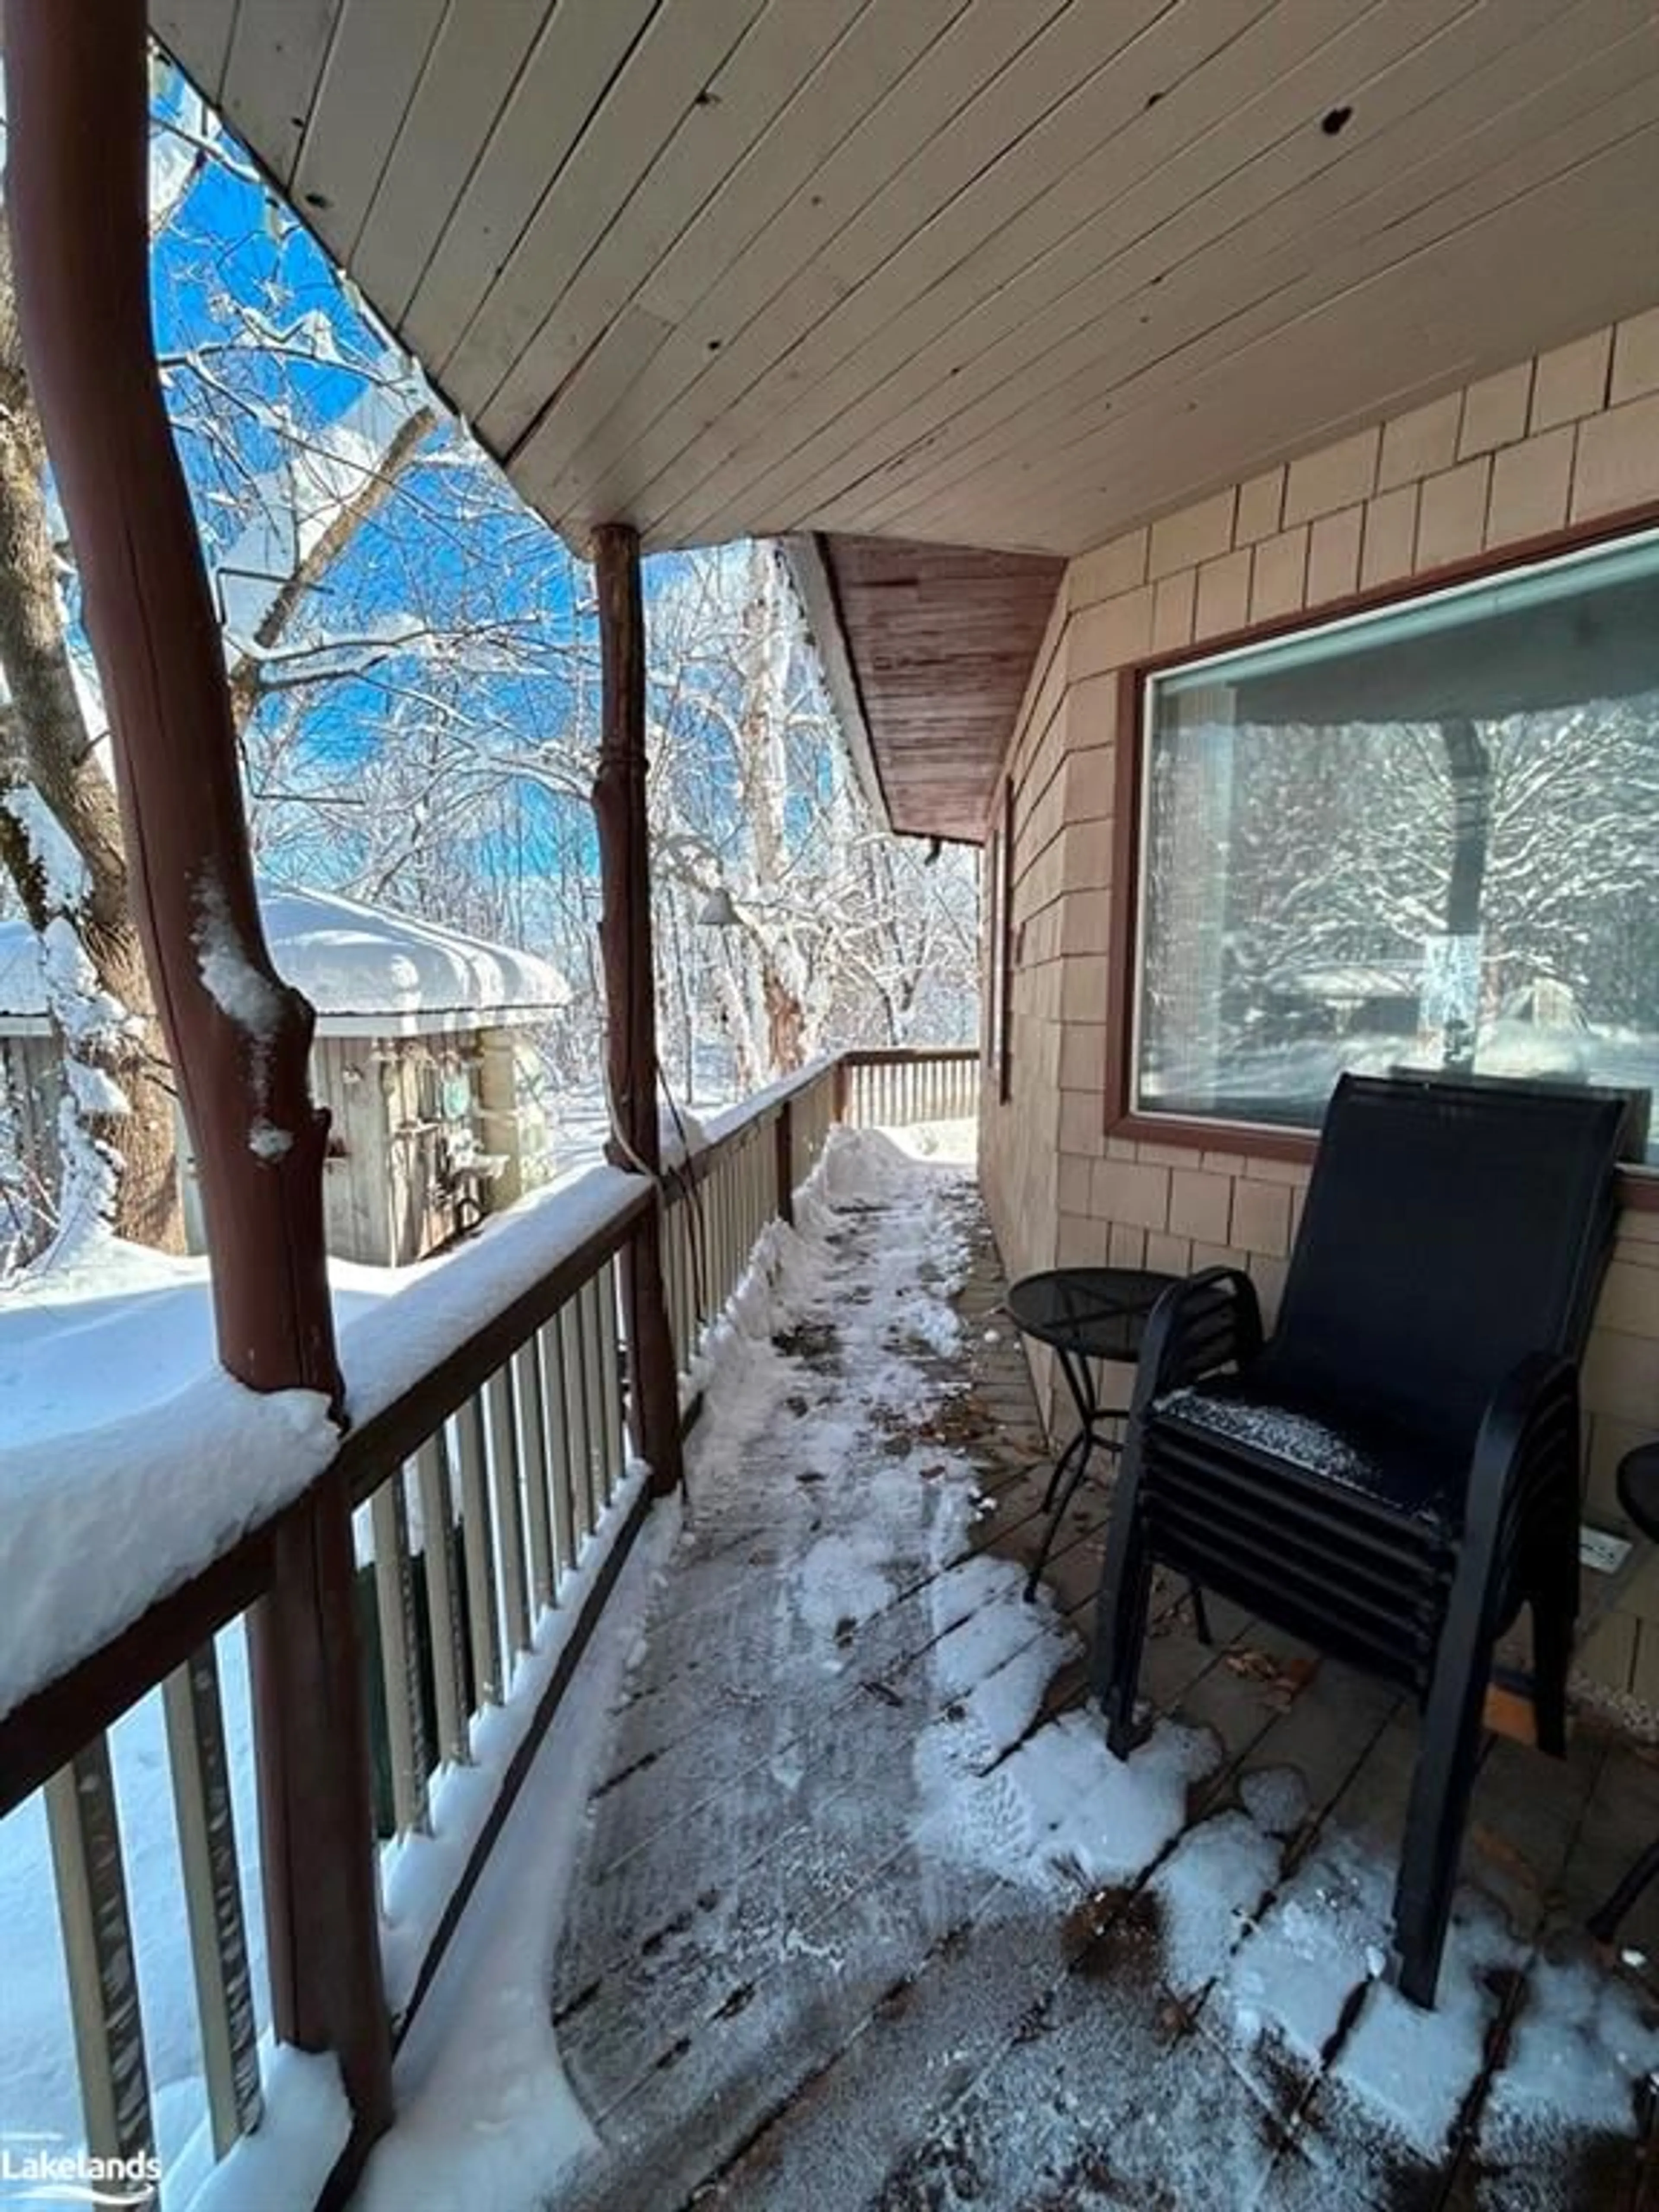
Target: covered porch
[(729, 1462)]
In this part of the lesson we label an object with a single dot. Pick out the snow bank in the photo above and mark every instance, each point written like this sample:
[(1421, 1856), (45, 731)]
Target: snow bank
[(100, 1526), (421, 1872), (116, 1420), (282, 2165), (487, 2118)]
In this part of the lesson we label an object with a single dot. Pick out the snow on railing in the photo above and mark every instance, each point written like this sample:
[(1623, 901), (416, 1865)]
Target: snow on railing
[(493, 1501)]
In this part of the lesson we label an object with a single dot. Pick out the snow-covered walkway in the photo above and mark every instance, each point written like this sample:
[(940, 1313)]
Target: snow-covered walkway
[(863, 1916)]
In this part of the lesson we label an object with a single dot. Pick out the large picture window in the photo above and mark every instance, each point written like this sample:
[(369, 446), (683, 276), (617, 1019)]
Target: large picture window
[(1424, 835)]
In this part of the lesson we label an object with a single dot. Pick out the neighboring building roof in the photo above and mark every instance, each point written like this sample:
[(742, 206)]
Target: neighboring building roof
[(367, 972)]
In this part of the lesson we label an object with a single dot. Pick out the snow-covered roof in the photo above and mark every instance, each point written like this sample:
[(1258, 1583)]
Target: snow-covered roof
[(368, 972)]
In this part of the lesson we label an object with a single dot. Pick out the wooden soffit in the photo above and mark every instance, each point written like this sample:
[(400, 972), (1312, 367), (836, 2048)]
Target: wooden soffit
[(927, 650)]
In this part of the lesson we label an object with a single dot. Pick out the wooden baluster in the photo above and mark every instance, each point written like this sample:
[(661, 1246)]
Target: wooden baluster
[(213, 1896), (442, 1612), (472, 1452), (509, 1523), (569, 1519), (600, 1481), (394, 1596), (673, 1222), (532, 1467), (84, 1826), (576, 1411), (611, 1372)]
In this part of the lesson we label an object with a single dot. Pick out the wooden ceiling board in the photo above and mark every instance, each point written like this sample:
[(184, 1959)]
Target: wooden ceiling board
[(940, 640), (466, 82), (564, 81), (1385, 342), (1106, 140), (1259, 280), (362, 98), (736, 107), (273, 69), (783, 285), (671, 76), (684, 305), (1210, 186), (199, 29), (1002, 149)]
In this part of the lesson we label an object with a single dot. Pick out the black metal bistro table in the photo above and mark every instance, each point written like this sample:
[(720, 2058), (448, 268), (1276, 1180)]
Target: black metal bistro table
[(1084, 1314)]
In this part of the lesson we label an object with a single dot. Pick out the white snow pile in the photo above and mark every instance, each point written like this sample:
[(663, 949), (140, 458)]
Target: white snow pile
[(419, 1873), (113, 1417), (953, 1143), (100, 1526), (283, 2165), (486, 2117)]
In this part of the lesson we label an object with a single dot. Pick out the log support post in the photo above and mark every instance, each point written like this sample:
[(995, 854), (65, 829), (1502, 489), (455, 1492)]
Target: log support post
[(619, 814), (76, 81), (784, 1133)]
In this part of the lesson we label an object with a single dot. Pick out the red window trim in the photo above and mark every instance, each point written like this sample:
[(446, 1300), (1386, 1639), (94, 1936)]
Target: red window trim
[(1639, 1188)]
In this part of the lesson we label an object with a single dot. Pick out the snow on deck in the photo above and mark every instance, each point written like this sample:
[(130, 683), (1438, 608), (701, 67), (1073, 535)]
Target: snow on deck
[(863, 1915)]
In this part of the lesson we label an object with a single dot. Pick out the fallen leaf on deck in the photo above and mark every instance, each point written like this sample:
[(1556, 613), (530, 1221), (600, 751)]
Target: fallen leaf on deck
[(1503, 1855)]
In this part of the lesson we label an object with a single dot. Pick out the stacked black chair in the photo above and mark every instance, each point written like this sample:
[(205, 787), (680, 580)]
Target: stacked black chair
[(1394, 1472)]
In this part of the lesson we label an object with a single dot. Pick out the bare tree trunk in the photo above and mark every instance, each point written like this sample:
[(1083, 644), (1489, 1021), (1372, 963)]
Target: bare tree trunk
[(47, 748), (765, 791), (786, 1022), (1468, 761)]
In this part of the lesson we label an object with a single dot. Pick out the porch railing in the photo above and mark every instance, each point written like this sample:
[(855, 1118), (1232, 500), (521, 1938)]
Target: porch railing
[(897, 1089), (492, 1501)]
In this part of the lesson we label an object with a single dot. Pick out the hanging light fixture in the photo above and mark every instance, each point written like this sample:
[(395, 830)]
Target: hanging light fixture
[(717, 911)]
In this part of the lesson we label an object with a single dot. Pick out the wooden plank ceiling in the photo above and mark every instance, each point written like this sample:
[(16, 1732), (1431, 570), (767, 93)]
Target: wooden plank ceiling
[(1005, 274), (930, 649)]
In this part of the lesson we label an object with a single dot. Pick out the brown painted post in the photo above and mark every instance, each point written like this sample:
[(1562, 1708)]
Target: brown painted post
[(619, 815), (77, 192), (785, 1135), (841, 1095)]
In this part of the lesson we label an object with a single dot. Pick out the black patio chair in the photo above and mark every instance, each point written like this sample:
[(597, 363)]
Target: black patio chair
[(1394, 1472)]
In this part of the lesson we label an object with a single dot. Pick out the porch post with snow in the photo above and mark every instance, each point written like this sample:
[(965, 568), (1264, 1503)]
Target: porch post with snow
[(76, 81), (239, 1040), (630, 988)]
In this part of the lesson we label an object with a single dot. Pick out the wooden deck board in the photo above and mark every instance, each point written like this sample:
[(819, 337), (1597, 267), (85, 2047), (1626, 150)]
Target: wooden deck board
[(769, 1996)]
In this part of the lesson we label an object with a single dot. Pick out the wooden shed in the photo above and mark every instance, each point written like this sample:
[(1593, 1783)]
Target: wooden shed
[(426, 1055)]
